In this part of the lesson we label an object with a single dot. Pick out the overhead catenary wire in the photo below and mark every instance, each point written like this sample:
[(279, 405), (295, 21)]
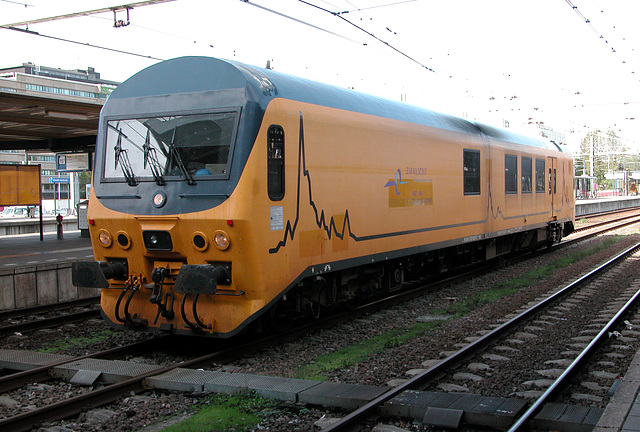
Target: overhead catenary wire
[(339, 15), (353, 16), (17, 3), (584, 18), (297, 20), (81, 43), (599, 34), (377, 6), (85, 13)]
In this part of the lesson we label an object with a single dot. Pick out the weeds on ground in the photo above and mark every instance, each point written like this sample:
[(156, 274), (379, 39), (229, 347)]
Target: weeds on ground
[(218, 413), (353, 354), (77, 342)]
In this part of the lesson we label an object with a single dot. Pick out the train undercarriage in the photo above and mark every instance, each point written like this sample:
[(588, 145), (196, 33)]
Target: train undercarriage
[(349, 287)]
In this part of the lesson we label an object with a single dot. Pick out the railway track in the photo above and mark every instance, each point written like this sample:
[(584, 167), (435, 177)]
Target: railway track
[(53, 307), (103, 394), (624, 220), (32, 318), (431, 375)]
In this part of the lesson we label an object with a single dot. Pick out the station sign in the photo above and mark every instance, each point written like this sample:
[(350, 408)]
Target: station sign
[(72, 162), (58, 179)]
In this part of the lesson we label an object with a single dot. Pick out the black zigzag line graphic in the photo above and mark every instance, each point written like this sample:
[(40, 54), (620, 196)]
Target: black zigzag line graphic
[(331, 228)]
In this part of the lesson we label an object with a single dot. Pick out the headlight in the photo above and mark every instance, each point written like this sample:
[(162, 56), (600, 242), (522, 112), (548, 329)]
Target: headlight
[(104, 238), (157, 240), (221, 240), (159, 199)]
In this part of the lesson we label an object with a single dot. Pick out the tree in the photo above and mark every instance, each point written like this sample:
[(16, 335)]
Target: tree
[(601, 153), (84, 178)]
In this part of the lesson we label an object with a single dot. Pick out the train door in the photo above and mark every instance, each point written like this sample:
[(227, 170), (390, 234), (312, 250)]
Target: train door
[(554, 192)]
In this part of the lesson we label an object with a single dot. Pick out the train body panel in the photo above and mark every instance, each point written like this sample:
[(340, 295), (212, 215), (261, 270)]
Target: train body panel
[(311, 197)]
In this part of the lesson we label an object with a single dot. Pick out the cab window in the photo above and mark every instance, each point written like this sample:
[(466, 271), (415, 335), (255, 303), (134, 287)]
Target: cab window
[(275, 163)]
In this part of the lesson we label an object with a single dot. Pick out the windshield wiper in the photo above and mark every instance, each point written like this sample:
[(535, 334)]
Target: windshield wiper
[(176, 159), (125, 164), (151, 157)]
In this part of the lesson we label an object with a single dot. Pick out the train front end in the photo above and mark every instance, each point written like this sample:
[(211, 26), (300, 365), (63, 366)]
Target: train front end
[(167, 238)]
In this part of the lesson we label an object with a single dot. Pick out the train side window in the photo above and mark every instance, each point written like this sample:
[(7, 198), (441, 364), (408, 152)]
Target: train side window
[(526, 174), (471, 169), (540, 175), (275, 162), (510, 174)]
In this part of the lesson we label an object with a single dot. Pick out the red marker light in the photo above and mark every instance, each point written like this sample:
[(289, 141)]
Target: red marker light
[(230, 222), (92, 222)]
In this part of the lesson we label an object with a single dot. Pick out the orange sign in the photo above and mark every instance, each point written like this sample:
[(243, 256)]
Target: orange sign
[(19, 185)]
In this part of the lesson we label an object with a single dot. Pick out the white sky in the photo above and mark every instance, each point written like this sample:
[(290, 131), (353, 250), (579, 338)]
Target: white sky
[(482, 52)]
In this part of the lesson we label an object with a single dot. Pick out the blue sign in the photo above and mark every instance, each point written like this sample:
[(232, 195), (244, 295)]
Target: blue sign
[(58, 179), (61, 162)]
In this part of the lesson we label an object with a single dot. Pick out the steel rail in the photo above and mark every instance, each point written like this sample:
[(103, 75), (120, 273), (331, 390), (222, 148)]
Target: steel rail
[(352, 419), (49, 322), (570, 371), (48, 307), (41, 373), (74, 405), (599, 224), (569, 242)]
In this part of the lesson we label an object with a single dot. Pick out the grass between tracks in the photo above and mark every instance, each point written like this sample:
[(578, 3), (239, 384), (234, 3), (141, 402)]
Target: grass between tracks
[(77, 342), (350, 355), (239, 412)]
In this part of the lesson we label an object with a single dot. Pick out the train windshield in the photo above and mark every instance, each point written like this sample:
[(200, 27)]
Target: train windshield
[(169, 147)]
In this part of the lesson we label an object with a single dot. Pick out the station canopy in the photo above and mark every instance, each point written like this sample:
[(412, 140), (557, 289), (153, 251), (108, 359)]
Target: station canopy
[(33, 122)]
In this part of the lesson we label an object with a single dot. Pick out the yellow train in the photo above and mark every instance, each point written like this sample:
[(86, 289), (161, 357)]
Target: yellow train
[(224, 193)]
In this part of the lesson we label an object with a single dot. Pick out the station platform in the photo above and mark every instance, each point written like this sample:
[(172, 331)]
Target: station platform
[(586, 207), (27, 249), (35, 272), (22, 225)]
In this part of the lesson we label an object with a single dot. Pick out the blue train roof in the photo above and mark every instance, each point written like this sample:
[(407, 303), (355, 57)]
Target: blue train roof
[(203, 74)]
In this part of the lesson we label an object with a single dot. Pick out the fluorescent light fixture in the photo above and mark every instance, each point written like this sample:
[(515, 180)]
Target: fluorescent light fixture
[(66, 115)]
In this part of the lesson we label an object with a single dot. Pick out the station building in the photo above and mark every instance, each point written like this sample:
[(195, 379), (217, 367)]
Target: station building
[(60, 191)]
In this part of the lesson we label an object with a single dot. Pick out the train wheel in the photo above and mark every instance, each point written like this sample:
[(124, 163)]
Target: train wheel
[(395, 277)]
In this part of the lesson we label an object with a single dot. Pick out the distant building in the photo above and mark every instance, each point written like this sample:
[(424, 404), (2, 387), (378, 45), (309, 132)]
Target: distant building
[(60, 83), (75, 83)]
